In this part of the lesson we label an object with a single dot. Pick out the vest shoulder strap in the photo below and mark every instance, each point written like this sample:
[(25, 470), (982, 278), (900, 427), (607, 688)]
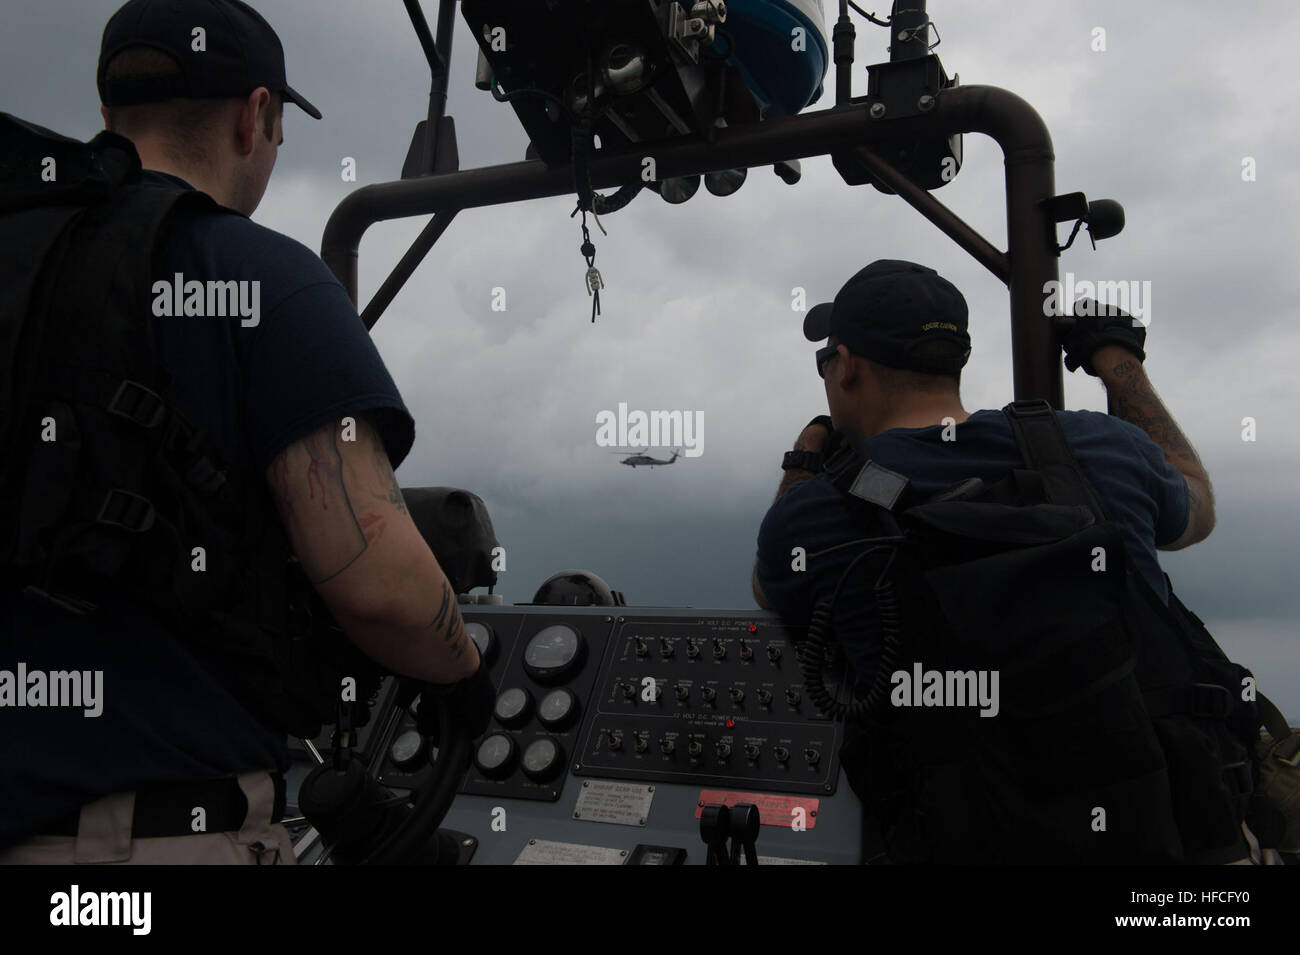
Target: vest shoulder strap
[(1044, 448)]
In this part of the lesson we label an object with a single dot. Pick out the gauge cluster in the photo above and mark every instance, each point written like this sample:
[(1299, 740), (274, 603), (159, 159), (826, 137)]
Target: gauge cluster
[(542, 670)]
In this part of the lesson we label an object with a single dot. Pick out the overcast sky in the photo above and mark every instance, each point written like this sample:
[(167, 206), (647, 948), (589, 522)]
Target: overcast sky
[(697, 311)]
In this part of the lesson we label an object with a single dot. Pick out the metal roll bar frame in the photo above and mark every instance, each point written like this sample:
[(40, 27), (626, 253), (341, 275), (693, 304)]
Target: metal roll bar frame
[(1030, 261)]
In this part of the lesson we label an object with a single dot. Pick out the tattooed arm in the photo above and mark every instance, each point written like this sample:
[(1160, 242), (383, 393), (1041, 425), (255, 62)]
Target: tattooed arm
[(1130, 396), (349, 526)]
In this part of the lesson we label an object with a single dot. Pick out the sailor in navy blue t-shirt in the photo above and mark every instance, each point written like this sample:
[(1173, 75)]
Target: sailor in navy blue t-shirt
[(898, 339), (254, 389), (102, 782)]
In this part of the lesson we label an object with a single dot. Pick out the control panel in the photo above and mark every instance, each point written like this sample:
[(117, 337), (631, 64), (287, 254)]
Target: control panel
[(617, 732)]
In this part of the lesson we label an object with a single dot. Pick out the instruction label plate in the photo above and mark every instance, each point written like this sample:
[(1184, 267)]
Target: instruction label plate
[(772, 810), (624, 804), (545, 852), (780, 860)]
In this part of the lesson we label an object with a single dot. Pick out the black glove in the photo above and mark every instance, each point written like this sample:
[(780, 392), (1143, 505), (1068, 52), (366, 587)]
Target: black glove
[(469, 704), (835, 438), (1089, 332)]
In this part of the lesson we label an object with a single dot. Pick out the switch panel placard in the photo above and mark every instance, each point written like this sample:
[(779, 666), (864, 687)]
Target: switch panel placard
[(717, 700)]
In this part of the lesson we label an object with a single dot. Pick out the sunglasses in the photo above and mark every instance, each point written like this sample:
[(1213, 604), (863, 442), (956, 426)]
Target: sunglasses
[(823, 356)]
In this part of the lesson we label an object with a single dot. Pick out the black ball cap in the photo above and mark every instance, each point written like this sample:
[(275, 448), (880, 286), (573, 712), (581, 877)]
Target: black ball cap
[(235, 52), (897, 313)]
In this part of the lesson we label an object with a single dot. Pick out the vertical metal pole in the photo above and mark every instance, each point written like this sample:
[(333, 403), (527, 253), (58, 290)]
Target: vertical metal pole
[(843, 38), (912, 22), (438, 53), (1031, 248), (438, 87)]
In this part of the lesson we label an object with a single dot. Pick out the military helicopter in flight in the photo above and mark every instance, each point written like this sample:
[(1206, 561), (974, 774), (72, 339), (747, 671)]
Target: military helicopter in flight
[(641, 459)]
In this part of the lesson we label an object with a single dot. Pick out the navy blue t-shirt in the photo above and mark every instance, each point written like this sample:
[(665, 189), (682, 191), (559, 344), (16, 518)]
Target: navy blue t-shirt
[(1145, 494), (255, 389)]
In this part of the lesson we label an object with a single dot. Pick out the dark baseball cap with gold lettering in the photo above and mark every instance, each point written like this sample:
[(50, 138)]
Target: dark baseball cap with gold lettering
[(225, 49), (899, 314)]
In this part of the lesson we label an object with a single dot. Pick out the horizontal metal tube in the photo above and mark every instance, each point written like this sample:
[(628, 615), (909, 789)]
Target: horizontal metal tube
[(1000, 114)]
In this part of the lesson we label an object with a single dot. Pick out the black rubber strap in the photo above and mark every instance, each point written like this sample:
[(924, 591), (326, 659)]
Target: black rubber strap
[(803, 460)]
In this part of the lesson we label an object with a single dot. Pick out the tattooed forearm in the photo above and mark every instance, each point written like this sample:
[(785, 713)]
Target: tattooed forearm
[(1131, 397), (324, 472), (323, 485), (389, 490), (448, 620), (1194, 502)]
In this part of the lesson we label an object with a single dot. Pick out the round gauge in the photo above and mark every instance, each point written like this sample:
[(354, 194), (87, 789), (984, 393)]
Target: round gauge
[(495, 756), (558, 708), (513, 706), (407, 751), (542, 759), (553, 653), (484, 639)]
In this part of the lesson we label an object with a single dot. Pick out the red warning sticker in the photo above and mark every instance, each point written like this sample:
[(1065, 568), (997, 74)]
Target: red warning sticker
[(783, 811)]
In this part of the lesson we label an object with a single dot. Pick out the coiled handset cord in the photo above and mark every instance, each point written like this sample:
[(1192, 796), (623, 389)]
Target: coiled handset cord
[(812, 660)]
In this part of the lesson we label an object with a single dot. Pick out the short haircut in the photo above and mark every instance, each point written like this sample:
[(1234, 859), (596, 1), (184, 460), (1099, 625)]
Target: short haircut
[(184, 124), (905, 379)]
